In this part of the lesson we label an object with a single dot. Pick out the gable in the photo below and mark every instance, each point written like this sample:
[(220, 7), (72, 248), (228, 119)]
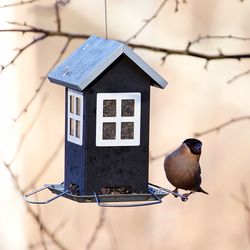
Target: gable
[(94, 56)]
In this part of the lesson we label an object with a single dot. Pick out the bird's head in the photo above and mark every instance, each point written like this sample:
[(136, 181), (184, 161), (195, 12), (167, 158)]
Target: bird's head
[(194, 145)]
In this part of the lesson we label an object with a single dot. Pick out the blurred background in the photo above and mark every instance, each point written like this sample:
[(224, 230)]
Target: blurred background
[(197, 98)]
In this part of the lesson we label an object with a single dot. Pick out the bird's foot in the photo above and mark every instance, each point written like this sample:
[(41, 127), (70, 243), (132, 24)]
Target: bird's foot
[(184, 197), (175, 193)]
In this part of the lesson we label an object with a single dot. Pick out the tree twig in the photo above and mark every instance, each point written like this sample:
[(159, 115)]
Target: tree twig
[(43, 243), (222, 125), (21, 50), (35, 216), (236, 77), (147, 21), (45, 166), (201, 38), (113, 240), (178, 52), (98, 227), (246, 205), (19, 3), (24, 135), (199, 134), (31, 100)]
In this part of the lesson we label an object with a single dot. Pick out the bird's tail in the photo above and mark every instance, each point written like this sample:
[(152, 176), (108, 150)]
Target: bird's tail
[(202, 191)]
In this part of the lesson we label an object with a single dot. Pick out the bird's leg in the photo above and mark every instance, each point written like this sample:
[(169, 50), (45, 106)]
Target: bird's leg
[(187, 194), (175, 192)]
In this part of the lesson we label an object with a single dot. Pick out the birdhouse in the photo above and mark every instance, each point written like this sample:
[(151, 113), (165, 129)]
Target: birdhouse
[(107, 106)]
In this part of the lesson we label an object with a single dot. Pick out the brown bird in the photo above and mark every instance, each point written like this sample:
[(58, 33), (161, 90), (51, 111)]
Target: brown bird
[(182, 167)]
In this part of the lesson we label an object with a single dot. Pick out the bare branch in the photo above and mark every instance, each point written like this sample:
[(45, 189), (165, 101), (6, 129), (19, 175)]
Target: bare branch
[(58, 20), (37, 91), (60, 226), (22, 25), (187, 52), (57, 12), (210, 37), (242, 202), (18, 3), (35, 216), (24, 135), (98, 227), (21, 50), (147, 21), (43, 243), (48, 242), (246, 205), (50, 33), (38, 245), (184, 52), (154, 158), (26, 107), (46, 165), (213, 129), (113, 240), (177, 3), (247, 72), (45, 229), (222, 125), (21, 3), (62, 2), (27, 28)]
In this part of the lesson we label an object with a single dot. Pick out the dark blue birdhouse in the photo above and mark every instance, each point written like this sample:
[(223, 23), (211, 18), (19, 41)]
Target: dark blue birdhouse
[(107, 103)]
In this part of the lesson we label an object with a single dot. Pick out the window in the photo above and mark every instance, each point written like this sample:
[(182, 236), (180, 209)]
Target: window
[(75, 114), (118, 117)]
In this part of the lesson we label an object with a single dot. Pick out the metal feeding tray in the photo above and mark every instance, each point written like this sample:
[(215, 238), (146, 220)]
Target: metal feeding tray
[(154, 196)]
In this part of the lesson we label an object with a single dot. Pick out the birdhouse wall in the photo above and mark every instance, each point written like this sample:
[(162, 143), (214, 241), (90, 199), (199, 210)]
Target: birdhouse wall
[(117, 166), (75, 154), (92, 167)]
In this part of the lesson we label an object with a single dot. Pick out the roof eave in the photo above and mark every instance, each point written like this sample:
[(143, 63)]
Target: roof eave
[(63, 83), (159, 81), (57, 75)]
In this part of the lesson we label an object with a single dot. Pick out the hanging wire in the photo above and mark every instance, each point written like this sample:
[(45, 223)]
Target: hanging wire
[(106, 20)]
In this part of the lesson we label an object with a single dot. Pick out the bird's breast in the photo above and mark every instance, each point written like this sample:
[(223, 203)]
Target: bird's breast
[(181, 171)]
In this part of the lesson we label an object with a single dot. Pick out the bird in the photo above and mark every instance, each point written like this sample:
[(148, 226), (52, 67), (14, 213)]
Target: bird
[(182, 167)]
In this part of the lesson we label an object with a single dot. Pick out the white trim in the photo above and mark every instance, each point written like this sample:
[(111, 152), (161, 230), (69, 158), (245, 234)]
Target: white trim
[(118, 119), (75, 117)]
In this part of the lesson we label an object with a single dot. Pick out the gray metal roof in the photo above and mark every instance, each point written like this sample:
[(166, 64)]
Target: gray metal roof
[(91, 59)]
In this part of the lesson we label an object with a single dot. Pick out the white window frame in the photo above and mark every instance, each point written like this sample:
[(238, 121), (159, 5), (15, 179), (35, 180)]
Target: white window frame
[(118, 119), (75, 117)]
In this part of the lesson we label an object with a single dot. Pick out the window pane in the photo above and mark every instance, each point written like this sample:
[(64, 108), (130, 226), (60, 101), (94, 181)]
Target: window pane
[(128, 107), (71, 104), (109, 108), (78, 106), (108, 130), (127, 130), (71, 127), (77, 129)]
